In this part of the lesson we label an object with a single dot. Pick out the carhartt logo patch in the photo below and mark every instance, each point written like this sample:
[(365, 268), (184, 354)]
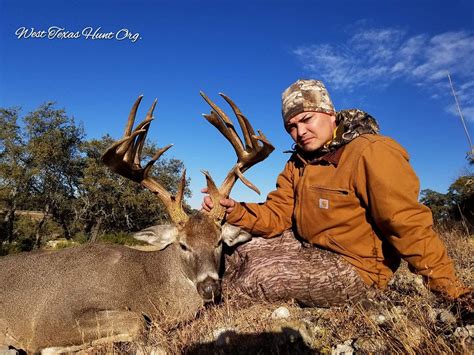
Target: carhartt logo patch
[(323, 203)]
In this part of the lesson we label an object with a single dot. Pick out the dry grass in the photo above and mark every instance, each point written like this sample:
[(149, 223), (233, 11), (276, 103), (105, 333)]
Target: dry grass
[(406, 318)]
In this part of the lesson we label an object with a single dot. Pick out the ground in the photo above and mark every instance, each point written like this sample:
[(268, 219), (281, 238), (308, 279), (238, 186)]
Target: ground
[(406, 318)]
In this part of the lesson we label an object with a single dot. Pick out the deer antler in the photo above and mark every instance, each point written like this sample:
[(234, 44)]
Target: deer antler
[(124, 157), (256, 149)]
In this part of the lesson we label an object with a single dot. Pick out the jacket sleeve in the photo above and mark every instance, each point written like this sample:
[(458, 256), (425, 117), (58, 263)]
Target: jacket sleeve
[(272, 217), (389, 187)]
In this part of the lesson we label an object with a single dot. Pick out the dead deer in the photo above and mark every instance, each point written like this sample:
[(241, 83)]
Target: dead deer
[(95, 293)]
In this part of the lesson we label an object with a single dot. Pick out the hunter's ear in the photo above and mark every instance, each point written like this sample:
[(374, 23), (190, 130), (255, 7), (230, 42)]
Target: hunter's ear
[(232, 235), (161, 235)]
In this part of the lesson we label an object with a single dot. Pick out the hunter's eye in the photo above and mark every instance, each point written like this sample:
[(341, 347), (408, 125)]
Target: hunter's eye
[(183, 247)]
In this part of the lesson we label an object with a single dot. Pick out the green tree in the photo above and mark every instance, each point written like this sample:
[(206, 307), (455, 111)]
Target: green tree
[(461, 195), (438, 203), (110, 203), (53, 147), (457, 205), (15, 174), (46, 165)]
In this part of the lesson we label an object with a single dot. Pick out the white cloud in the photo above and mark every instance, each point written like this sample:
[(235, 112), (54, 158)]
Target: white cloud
[(377, 57), (468, 111)]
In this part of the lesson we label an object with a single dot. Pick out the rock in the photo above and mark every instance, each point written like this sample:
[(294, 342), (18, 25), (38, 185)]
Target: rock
[(378, 319), (222, 336), (446, 318), (370, 345), (408, 283), (462, 333), (4, 350), (150, 350), (418, 281), (465, 336), (385, 317), (470, 329), (280, 313), (342, 349)]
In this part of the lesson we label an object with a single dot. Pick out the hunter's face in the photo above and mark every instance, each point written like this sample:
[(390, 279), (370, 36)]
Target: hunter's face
[(311, 130)]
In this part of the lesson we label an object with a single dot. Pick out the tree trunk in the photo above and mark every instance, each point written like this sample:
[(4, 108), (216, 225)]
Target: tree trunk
[(9, 220), (40, 225), (67, 233), (95, 229)]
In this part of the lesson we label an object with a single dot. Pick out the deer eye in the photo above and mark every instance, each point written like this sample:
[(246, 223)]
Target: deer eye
[(219, 243), (183, 247)]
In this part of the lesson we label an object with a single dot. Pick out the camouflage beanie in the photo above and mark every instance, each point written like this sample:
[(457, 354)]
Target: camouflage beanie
[(303, 96)]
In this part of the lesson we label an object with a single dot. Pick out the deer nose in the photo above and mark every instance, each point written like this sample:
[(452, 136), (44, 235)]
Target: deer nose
[(209, 289)]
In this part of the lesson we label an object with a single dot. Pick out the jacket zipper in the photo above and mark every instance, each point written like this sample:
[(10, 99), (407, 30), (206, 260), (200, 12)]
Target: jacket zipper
[(330, 190)]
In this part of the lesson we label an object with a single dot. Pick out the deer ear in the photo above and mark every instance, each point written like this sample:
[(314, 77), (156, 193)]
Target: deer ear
[(232, 235), (161, 235)]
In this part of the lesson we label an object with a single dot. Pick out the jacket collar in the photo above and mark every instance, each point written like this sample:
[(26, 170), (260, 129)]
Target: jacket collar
[(332, 157)]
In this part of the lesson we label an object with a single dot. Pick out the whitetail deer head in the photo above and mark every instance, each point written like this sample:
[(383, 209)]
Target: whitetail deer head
[(198, 237)]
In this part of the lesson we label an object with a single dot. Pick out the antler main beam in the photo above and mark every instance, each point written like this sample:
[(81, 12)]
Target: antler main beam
[(256, 149), (124, 157)]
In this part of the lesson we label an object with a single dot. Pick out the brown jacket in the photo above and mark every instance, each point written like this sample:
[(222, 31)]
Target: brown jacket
[(363, 206)]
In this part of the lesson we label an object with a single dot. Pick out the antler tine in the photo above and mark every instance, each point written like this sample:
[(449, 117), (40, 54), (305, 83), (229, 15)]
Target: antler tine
[(136, 152), (211, 187), (221, 121), (216, 108), (158, 154), (124, 157), (247, 129), (251, 140), (128, 128), (182, 183), (145, 125), (131, 116), (256, 149)]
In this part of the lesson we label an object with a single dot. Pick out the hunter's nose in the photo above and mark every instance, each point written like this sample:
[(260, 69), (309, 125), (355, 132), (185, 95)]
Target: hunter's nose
[(209, 289), (301, 130)]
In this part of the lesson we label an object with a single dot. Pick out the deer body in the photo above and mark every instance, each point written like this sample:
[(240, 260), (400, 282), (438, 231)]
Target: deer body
[(63, 293), (96, 292)]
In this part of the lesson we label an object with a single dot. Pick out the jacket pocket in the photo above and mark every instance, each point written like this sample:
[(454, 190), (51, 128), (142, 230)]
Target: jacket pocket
[(323, 211), (329, 190)]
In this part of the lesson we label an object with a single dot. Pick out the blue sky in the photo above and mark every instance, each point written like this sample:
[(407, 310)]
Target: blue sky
[(389, 58)]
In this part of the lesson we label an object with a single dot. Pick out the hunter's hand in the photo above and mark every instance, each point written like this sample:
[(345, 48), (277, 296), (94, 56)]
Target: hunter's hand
[(207, 204)]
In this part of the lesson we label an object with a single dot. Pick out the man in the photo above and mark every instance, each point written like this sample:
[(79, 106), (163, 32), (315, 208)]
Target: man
[(351, 199)]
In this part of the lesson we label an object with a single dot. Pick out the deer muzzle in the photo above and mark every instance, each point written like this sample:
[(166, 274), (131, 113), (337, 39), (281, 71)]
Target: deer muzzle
[(209, 289)]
